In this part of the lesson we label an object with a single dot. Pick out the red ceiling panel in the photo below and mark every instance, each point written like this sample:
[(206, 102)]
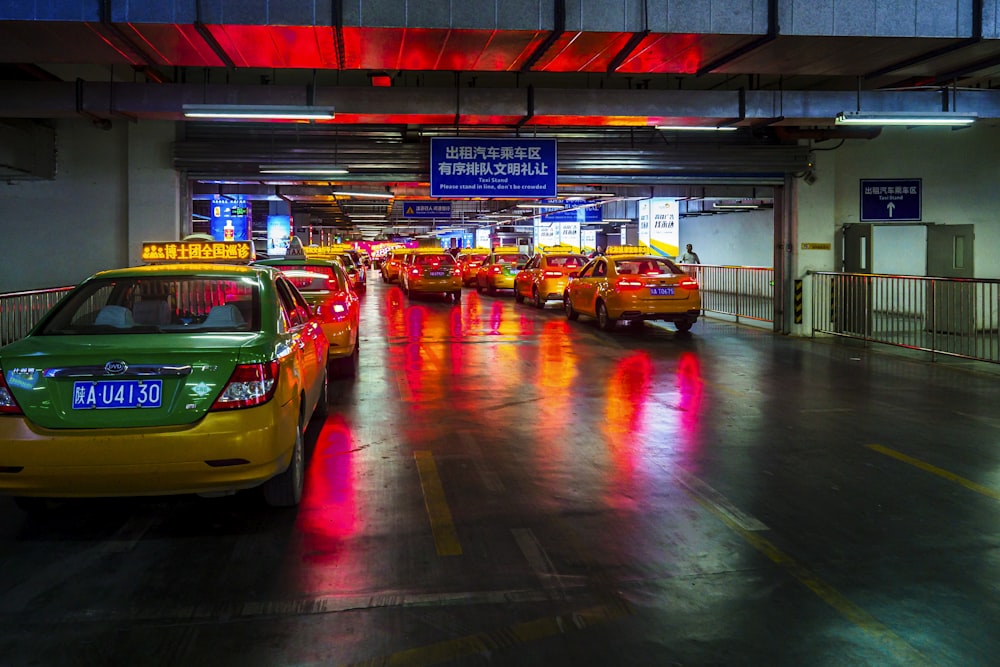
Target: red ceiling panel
[(671, 54), (58, 42), (583, 52), (177, 45), (297, 47)]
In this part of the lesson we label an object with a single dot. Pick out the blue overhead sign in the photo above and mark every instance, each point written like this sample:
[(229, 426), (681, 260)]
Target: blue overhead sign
[(493, 167), (426, 209), (582, 214), (890, 200)]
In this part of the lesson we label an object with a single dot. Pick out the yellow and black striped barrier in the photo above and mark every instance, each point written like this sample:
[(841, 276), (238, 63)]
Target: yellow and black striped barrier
[(798, 302)]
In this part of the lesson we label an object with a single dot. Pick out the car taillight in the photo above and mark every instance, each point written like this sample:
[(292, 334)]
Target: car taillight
[(497, 269), (334, 310), (553, 274), (414, 271), (627, 284), (8, 406), (688, 283), (249, 385)]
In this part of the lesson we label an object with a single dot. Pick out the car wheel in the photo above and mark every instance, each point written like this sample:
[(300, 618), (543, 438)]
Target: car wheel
[(537, 298), (491, 289), (570, 313), (683, 326), (456, 296), (518, 296), (603, 320), (479, 287), (285, 489)]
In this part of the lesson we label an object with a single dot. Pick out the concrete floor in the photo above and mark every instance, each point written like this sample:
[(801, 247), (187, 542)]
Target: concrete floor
[(502, 486)]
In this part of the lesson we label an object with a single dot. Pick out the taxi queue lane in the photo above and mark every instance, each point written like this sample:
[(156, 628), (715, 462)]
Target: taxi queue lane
[(502, 486)]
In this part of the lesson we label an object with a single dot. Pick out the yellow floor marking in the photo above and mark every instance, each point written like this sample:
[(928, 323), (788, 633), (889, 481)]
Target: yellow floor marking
[(934, 470), (893, 643), (445, 536), (488, 643)]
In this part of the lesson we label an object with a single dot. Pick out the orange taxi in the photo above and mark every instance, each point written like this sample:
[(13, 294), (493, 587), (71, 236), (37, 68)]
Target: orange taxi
[(546, 275), (499, 268), (469, 260), (393, 263), (431, 271), (628, 284)]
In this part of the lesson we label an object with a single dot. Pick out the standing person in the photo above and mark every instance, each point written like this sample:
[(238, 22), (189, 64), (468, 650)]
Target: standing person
[(597, 253), (689, 256)]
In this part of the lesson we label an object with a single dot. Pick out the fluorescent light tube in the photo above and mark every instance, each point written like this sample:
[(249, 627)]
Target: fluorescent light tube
[(698, 128), (257, 112), (904, 118), (312, 169)]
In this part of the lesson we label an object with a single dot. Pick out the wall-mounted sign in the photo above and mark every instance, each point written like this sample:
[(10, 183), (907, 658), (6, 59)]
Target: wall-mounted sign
[(279, 234), (588, 240), (890, 200), (493, 167), (816, 246), (426, 209), (664, 229), (483, 235)]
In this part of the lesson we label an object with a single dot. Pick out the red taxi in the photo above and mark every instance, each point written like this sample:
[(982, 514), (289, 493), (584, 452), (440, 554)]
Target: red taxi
[(469, 260)]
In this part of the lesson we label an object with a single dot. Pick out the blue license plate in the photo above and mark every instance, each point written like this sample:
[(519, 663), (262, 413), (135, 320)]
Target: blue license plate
[(661, 291), (436, 274), (111, 394)]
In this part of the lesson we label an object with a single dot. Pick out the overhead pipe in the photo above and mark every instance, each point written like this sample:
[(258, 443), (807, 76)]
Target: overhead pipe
[(558, 30)]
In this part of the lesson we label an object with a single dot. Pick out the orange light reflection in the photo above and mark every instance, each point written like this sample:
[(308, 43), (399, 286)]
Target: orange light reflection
[(624, 427)]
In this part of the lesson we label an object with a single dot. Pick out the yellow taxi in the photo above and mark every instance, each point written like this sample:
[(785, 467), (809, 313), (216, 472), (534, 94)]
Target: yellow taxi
[(431, 271), (186, 375), (469, 260), (628, 284), (546, 275), (327, 288), (393, 264), (499, 268)]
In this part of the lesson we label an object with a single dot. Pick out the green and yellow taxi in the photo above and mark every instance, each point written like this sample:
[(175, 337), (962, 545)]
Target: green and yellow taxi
[(327, 287), (628, 284), (431, 271), (469, 260), (498, 270), (350, 258), (545, 276), (183, 376)]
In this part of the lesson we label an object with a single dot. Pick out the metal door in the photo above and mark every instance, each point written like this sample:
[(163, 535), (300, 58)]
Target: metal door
[(853, 303), (951, 306)]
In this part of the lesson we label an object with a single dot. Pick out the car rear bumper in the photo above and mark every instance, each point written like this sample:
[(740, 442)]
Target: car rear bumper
[(449, 284), (339, 335), (224, 451)]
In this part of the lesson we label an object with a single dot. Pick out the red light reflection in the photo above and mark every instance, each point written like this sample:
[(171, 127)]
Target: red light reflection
[(690, 386), (328, 515), (624, 427)]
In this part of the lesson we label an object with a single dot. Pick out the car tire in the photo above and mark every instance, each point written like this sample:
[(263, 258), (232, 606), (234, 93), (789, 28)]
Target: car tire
[(456, 296), (285, 489), (683, 326), (603, 319), (518, 296), (491, 289), (568, 307), (536, 298), (479, 287)]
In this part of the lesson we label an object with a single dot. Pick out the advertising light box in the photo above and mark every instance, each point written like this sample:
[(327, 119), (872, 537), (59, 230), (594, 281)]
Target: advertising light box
[(230, 219)]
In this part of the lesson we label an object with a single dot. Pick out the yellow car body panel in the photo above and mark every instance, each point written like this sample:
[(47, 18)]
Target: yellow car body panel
[(547, 275), (151, 461)]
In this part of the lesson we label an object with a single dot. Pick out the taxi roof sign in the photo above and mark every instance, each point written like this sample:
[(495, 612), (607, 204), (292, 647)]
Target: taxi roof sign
[(238, 252), (506, 250), (628, 250), (567, 249)]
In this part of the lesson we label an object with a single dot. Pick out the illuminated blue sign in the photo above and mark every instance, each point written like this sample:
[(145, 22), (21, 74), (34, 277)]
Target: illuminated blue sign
[(230, 219), (426, 209), (582, 214), (493, 167), (890, 200)]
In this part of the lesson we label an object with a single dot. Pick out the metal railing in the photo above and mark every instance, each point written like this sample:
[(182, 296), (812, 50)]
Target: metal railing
[(739, 291), (19, 311), (949, 316)]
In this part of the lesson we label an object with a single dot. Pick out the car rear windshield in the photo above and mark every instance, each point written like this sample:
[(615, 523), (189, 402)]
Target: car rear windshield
[(651, 266), (430, 260), (511, 259), (567, 261), (164, 304)]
